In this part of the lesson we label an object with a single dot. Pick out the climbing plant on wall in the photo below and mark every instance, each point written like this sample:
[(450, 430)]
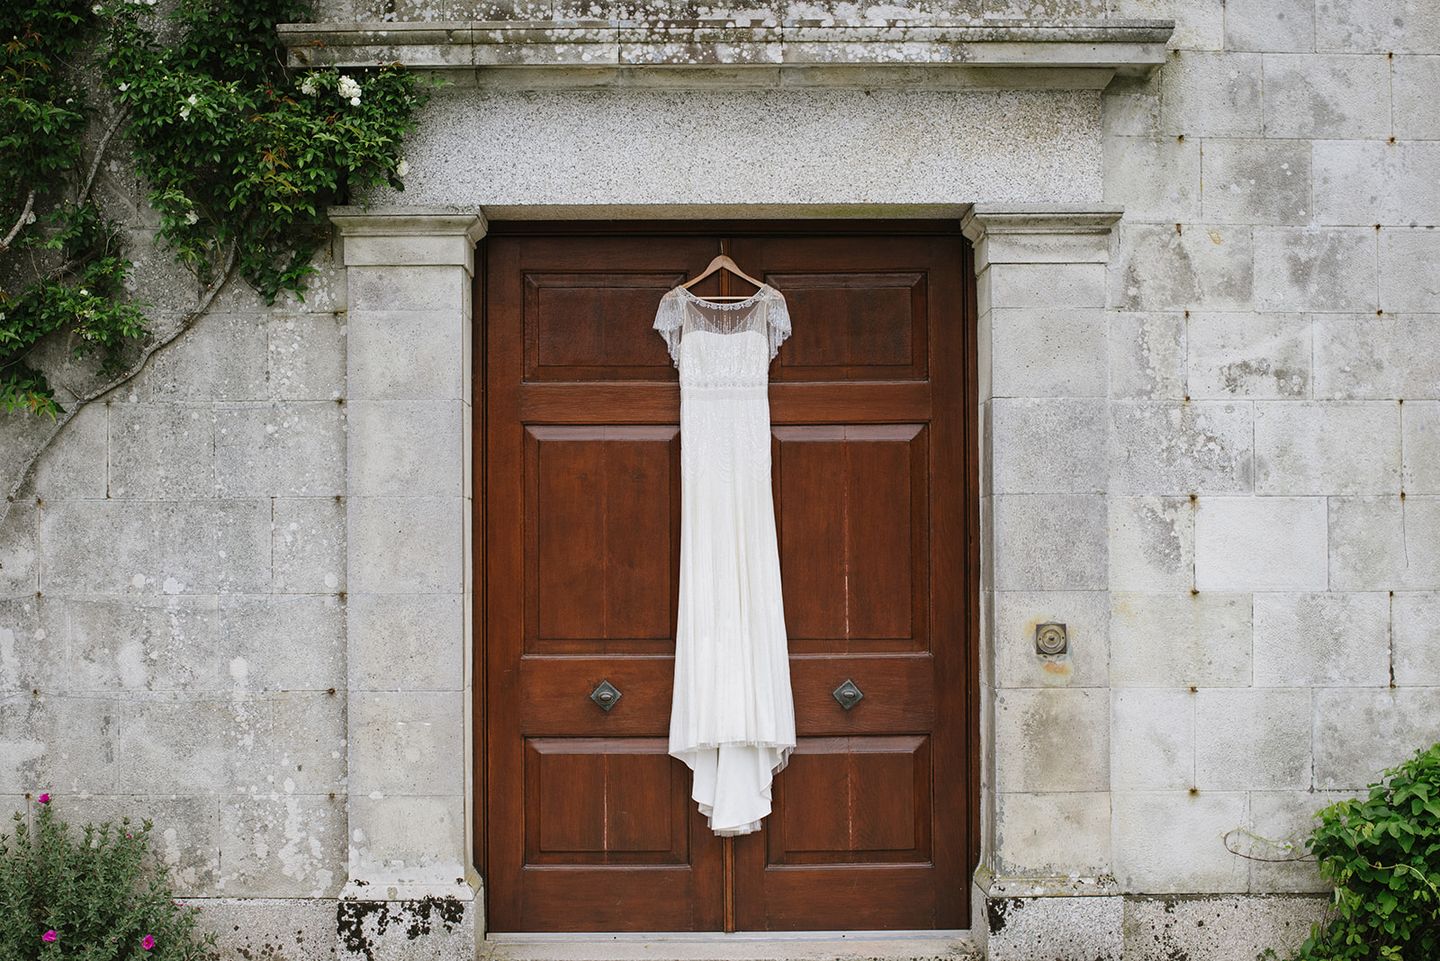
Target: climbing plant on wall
[(241, 154)]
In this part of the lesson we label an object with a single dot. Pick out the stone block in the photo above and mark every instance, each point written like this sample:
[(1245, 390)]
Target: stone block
[(1420, 440), (1047, 353), (1218, 929), (1376, 182), (1052, 835), (1147, 356), (1156, 178), (1211, 94), (1179, 640), (185, 836), (1333, 639), (1280, 821), (1050, 542), (1384, 543), (1261, 544), (1408, 278), (20, 549), (282, 643), (1256, 181), (1415, 639), (1047, 285), (1336, 447), (1165, 267), (1376, 26), (402, 642), (161, 451), (1252, 739), (1323, 269), (1052, 739), (400, 840), (406, 545), (1048, 446), (63, 745), (77, 464), (1152, 740), (430, 928), (1363, 356), (1152, 544), (21, 644), (1415, 85), (306, 354), (292, 449), (1173, 842), (299, 746), (212, 735), (409, 288), (1270, 25), (1322, 96), (1199, 24), (1249, 355), (308, 535), (405, 449), (118, 547), (1184, 448), (272, 929), (222, 357), (105, 644), (407, 744), (1130, 107), (1086, 616), (1054, 929), (1360, 732), (430, 343), (282, 846)]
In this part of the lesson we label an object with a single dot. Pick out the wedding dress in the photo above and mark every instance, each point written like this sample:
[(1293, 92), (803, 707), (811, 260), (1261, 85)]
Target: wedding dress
[(732, 720)]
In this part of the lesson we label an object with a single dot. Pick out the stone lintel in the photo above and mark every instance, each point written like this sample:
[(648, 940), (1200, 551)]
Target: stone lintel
[(1039, 233), (409, 236), (1003, 53)]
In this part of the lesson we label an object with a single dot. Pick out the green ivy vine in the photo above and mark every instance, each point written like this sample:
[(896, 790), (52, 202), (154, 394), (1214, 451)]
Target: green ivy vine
[(242, 156)]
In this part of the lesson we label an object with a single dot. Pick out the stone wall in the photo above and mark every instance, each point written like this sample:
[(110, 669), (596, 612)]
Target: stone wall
[(1213, 455)]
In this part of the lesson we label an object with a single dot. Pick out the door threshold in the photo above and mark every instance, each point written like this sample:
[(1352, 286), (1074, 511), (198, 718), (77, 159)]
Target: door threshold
[(737, 946)]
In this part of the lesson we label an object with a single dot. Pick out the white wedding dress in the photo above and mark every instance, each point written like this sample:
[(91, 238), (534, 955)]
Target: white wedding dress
[(732, 720)]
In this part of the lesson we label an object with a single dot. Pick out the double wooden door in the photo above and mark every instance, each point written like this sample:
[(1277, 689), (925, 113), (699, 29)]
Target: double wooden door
[(587, 823)]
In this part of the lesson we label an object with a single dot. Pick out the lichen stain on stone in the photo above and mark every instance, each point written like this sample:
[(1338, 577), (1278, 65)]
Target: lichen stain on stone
[(998, 910), (415, 918)]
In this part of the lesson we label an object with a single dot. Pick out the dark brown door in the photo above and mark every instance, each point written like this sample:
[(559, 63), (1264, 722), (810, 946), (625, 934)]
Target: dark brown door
[(587, 823)]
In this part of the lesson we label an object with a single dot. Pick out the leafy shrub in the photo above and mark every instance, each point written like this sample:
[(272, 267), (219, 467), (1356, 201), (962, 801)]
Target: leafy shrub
[(1382, 853), (100, 895)]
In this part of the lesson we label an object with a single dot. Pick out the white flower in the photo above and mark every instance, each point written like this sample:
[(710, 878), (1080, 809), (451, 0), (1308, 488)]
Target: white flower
[(354, 101), (192, 100), (84, 292), (348, 89), (96, 9), (308, 86), (124, 87), (185, 113), (149, 3), (192, 217), (402, 168)]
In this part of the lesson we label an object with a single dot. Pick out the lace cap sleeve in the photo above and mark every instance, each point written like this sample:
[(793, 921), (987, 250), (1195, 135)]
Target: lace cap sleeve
[(668, 320), (778, 321)]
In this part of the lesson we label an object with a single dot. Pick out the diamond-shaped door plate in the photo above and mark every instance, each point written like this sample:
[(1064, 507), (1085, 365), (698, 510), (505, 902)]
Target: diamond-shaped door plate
[(606, 695), (848, 694)]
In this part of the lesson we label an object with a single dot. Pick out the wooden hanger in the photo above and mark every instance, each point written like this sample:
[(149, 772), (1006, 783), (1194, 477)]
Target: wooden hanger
[(730, 265)]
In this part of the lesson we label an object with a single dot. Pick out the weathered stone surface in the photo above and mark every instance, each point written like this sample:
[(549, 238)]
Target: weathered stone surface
[(1185, 448), (1256, 181), (1052, 740), (1152, 544), (1170, 267), (1086, 616), (1376, 26), (185, 836), (1261, 543), (78, 467), (295, 449), (1179, 640), (404, 839), (272, 929), (308, 545), (431, 339), (1420, 442), (1280, 821), (1050, 542), (1408, 279), (1315, 268), (405, 545), (1174, 841), (306, 356), (1330, 448), (1375, 182), (384, 460), (1331, 639), (1360, 732), (1316, 96), (1054, 929), (1217, 929), (406, 744), (1384, 543), (1248, 355), (1152, 746), (284, 844), (1158, 177), (223, 357), (1211, 94), (1415, 638), (161, 451), (1052, 835), (1048, 446), (1415, 85), (1273, 25), (406, 642), (1047, 353), (1362, 356), (1147, 356), (1254, 738)]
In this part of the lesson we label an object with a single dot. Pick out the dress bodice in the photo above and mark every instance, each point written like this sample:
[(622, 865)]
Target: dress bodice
[(723, 344)]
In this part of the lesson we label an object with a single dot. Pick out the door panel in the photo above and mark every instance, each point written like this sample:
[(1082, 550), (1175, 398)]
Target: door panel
[(587, 822)]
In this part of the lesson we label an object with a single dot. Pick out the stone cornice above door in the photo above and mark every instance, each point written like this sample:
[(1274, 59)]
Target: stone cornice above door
[(994, 54)]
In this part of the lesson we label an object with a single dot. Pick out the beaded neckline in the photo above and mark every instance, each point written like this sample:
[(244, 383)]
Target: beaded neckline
[(732, 306)]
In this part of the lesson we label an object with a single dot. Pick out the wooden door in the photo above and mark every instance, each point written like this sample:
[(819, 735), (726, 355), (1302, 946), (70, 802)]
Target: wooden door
[(587, 823)]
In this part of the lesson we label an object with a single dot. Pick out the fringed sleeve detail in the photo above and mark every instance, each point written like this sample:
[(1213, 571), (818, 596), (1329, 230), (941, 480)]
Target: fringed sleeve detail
[(668, 321), (778, 320)]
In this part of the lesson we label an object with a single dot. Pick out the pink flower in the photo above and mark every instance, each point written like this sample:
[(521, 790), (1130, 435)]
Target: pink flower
[(44, 799), (50, 937), (148, 942)]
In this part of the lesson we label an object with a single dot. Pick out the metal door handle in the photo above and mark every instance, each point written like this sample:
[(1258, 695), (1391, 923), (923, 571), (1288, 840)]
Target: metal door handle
[(606, 695), (848, 694)]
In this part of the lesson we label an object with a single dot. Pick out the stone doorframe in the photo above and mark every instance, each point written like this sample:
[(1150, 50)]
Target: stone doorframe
[(1041, 276)]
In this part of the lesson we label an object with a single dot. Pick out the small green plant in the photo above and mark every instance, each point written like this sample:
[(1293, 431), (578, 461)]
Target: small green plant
[(99, 894), (1382, 853)]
